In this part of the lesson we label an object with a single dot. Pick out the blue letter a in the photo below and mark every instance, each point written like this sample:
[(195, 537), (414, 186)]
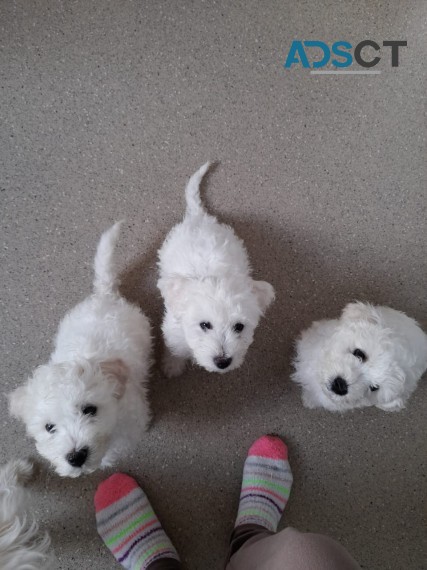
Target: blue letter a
[(296, 48)]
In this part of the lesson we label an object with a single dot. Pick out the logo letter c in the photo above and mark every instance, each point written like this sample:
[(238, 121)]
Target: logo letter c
[(358, 56)]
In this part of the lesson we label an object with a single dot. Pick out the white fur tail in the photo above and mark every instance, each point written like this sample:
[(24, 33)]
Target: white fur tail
[(16, 472), (21, 543), (105, 273), (192, 192)]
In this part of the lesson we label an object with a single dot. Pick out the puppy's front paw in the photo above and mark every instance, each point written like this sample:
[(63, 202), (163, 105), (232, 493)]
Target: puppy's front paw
[(107, 461), (173, 366), (309, 401), (394, 406)]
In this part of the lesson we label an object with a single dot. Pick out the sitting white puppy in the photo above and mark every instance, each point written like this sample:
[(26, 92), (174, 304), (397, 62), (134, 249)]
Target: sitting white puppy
[(22, 546), (88, 405), (371, 356), (212, 304)]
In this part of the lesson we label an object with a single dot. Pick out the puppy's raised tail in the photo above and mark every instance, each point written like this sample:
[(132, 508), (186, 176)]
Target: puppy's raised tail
[(106, 279), (192, 192)]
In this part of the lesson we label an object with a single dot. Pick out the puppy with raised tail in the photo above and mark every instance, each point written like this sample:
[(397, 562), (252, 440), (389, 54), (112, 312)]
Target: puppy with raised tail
[(212, 304), (88, 406), (22, 546), (370, 356)]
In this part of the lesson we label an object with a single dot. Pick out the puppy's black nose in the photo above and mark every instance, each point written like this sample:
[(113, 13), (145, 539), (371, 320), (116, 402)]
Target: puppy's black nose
[(77, 457), (222, 362), (339, 386)]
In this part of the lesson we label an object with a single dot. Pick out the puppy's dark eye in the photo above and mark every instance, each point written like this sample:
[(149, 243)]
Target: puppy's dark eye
[(205, 326), (374, 388), (50, 428), (360, 355), (238, 327), (90, 410)]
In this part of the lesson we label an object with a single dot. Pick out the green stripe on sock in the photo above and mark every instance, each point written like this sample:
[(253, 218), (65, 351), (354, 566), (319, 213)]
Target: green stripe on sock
[(151, 551), (130, 527), (258, 513), (265, 483)]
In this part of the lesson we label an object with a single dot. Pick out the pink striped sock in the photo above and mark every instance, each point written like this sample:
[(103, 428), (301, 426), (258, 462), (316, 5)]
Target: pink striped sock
[(128, 525), (267, 481)]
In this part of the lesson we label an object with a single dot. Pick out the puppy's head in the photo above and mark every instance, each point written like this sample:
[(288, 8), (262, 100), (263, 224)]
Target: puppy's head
[(349, 363), (70, 409), (218, 316)]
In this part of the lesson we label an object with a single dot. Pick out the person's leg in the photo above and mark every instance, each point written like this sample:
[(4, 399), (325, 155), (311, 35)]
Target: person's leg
[(267, 480), (266, 484), (292, 550), (129, 527)]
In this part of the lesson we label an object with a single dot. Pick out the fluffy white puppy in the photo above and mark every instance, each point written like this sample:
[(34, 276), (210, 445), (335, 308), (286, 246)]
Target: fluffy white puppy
[(212, 304), (371, 356), (88, 405), (22, 546)]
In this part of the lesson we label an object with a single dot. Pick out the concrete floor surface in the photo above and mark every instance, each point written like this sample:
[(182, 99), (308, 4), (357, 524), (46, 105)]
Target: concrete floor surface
[(106, 109)]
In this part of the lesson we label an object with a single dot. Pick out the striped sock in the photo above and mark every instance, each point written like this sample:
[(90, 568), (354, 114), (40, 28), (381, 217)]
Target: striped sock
[(267, 481), (128, 525)]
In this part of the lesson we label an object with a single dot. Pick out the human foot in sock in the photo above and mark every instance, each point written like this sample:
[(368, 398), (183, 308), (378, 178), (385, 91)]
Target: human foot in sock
[(267, 481), (129, 527)]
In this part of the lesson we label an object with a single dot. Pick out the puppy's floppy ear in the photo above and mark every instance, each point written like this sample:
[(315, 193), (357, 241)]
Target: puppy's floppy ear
[(174, 291), (119, 371), (360, 312), (19, 402), (264, 293)]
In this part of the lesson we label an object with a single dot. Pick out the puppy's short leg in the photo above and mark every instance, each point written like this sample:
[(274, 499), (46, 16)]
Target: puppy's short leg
[(176, 349), (173, 365), (308, 400), (110, 459), (394, 406)]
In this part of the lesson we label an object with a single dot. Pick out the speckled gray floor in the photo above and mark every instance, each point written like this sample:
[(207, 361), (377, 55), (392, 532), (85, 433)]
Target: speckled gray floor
[(106, 109)]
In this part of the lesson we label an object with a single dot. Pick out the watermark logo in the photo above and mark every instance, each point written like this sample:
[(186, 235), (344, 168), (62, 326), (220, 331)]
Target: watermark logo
[(341, 54)]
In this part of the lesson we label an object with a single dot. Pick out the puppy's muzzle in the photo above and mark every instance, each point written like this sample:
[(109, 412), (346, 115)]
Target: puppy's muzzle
[(222, 362), (77, 457), (339, 386)]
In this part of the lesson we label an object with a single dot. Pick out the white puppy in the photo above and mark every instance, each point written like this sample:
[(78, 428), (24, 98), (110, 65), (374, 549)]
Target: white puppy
[(88, 405), (22, 546), (371, 356), (212, 304)]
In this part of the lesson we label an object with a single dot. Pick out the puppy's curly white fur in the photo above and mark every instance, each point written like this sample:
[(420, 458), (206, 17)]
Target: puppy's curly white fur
[(22, 545), (370, 356), (212, 304), (88, 405)]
